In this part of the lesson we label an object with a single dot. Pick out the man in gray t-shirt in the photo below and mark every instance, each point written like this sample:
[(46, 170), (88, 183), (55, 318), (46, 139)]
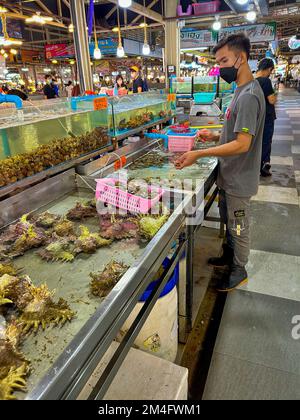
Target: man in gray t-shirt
[(239, 153), (238, 175)]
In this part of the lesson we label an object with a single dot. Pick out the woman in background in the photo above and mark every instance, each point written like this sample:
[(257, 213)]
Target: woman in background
[(120, 86)]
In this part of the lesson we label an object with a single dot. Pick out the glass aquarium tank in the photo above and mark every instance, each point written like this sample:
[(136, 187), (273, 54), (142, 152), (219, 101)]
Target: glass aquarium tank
[(209, 84), (182, 85), (46, 134), (131, 112), (205, 84)]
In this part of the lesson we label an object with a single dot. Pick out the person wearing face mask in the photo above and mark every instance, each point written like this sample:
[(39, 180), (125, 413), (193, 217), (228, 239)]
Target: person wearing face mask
[(49, 91), (265, 69), (239, 153)]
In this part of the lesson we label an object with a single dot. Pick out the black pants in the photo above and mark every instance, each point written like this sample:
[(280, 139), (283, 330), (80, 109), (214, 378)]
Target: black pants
[(267, 141)]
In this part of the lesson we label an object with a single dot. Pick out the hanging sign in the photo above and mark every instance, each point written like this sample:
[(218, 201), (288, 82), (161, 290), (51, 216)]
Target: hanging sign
[(262, 32), (196, 39), (193, 39), (60, 50)]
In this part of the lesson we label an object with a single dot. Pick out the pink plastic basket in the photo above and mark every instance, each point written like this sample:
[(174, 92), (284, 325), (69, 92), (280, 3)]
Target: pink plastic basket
[(108, 193), (206, 8), (181, 143), (180, 13)]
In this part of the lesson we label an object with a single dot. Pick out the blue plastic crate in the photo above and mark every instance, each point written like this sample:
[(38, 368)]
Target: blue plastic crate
[(204, 98)]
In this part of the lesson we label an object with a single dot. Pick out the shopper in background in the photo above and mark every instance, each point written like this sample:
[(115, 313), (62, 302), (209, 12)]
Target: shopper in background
[(137, 81), (55, 87), (239, 154), (265, 69), (69, 89), (49, 91), (120, 88), (15, 92)]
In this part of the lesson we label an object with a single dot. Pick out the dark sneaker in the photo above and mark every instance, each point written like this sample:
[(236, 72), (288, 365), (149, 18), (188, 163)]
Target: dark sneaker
[(238, 276), (266, 170), (225, 259)]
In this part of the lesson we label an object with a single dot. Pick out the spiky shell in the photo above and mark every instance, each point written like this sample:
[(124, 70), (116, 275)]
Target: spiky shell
[(102, 283)]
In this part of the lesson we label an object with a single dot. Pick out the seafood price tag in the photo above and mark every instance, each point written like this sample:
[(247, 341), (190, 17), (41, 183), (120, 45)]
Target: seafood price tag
[(172, 97), (100, 103)]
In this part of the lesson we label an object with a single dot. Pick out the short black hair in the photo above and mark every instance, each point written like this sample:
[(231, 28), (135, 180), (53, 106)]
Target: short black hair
[(238, 42), (265, 64)]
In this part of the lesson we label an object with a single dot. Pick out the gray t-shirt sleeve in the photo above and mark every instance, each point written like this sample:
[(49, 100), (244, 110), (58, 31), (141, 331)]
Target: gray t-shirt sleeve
[(247, 114)]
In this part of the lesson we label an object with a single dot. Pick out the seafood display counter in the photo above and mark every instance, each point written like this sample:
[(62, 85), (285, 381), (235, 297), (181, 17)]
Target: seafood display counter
[(131, 114), (45, 138), (153, 165), (51, 342)]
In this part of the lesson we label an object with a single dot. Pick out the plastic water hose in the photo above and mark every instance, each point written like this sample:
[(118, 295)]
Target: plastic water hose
[(156, 136), (11, 99)]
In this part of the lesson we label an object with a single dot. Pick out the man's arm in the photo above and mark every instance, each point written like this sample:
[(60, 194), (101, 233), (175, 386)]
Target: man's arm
[(236, 147), (209, 136)]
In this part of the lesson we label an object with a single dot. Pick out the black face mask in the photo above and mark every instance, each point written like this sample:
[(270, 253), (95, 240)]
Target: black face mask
[(229, 74)]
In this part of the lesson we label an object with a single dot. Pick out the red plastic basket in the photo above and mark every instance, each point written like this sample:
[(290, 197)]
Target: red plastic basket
[(206, 8), (107, 192)]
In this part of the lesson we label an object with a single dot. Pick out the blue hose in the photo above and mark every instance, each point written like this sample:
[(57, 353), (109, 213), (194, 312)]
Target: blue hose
[(157, 136)]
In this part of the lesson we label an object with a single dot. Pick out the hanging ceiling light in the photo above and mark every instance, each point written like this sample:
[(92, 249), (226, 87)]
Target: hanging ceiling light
[(3, 10), (38, 18), (146, 46), (120, 50), (251, 15), (97, 51), (71, 28), (242, 2), (13, 51), (125, 3), (146, 49), (216, 26)]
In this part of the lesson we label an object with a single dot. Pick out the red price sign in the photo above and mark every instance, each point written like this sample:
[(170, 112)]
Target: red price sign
[(100, 103)]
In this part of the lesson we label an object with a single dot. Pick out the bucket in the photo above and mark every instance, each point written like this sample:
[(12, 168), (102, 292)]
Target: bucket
[(159, 335)]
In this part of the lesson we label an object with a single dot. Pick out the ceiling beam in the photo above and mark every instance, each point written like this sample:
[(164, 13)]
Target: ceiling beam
[(111, 12), (152, 4), (23, 17), (66, 3), (144, 11), (262, 6), (43, 7), (129, 28), (231, 5), (59, 8)]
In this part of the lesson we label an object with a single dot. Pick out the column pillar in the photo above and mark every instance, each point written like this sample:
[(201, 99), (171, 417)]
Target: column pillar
[(172, 36), (78, 16)]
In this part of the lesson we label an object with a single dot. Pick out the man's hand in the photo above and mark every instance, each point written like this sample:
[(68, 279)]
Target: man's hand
[(206, 135), (188, 159)]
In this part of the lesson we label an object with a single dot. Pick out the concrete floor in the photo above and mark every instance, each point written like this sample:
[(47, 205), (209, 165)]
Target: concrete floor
[(256, 356)]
